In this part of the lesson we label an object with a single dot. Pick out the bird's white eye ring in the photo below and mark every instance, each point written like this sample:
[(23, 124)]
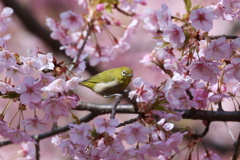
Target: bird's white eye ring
[(124, 73)]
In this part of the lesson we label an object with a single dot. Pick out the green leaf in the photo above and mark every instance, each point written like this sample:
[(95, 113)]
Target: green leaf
[(157, 105), (188, 5), (108, 8)]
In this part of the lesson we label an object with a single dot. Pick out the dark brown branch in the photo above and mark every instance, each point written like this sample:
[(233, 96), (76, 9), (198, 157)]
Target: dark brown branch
[(37, 150), (226, 36), (237, 149), (211, 115), (188, 114), (130, 121), (58, 130), (31, 24)]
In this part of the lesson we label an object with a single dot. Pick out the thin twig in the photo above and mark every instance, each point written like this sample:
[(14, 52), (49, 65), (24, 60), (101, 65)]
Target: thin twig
[(123, 12), (89, 31), (204, 133), (118, 99), (230, 132), (130, 121)]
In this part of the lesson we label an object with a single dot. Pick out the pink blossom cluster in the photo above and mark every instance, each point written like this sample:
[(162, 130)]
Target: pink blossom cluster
[(199, 67), (104, 142), (28, 92), (72, 30), (5, 20)]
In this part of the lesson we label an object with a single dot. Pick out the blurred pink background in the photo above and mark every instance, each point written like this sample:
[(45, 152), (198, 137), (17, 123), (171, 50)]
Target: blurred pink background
[(217, 139)]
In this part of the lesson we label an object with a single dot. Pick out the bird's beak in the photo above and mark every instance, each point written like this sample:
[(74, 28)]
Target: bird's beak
[(130, 75)]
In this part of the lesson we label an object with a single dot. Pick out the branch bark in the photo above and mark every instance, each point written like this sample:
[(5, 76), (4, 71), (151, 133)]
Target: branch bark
[(194, 114), (55, 131)]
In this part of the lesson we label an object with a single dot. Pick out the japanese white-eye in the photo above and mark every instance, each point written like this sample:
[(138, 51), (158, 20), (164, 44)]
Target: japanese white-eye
[(109, 82)]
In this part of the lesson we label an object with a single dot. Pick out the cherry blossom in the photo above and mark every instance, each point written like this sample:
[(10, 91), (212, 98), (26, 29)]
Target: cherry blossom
[(35, 105), (174, 34), (102, 125), (153, 149), (73, 83), (217, 49), (112, 149), (34, 123), (4, 129), (55, 87), (45, 79), (67, 147), (29, 65), (131, 153), (5, 19), (79, 133), (14, 72), (150, 20), (217, 97), (174, 65), (4, 87), (175, 88), (134, 133), (17, 136), (46, 61), (164, 16), (81, 63), (230, 4), (4, 39), (144, 91), (235, 45), (28, 151), (206, 71), (211, 156), (58, 32), (202, 19), (131, 5), (233, 70), (165, 53), (200, 97), (70, 50), (71, 20), (220, 11), (7, 58), (30, 91), (171, 143), (54, 108)]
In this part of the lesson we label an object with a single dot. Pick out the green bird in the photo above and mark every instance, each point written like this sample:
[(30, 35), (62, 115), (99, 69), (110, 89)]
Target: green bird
[(109, 82)]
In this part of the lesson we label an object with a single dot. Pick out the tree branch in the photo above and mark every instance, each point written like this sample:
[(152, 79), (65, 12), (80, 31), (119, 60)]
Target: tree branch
[(55, 131), (31, 24), (223, 116), (237, 149), (226, 36)]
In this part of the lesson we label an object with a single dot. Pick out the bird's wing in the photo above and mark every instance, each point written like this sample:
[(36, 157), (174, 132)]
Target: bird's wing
[(104, 78)]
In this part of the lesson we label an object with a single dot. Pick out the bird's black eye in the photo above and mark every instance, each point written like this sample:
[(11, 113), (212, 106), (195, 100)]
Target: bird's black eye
[(124, 73)]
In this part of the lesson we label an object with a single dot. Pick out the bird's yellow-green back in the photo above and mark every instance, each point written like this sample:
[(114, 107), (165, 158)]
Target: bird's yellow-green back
[(110, 82)]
